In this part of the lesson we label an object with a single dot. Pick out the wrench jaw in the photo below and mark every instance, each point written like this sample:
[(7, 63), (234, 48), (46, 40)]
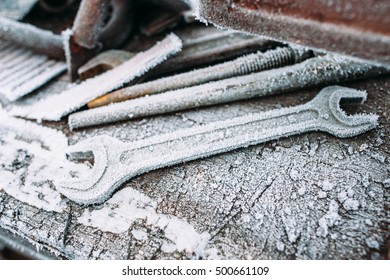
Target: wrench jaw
[(82, 189), (337, 121)]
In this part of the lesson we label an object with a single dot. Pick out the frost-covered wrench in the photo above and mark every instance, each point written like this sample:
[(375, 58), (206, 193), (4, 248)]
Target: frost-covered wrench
[(115, 162)]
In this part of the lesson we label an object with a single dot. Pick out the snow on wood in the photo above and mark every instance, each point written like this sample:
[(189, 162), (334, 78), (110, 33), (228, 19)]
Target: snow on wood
[(31, 157), (128, 205)]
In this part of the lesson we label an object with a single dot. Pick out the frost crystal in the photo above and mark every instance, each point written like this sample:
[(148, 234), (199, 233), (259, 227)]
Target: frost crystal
[(116, 162), (259, 84), (56, 106), (25, 172), (128, 205), (22, 71)]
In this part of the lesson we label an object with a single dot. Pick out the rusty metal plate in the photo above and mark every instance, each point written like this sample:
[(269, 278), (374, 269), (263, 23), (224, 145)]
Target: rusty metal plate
[(355, 28)]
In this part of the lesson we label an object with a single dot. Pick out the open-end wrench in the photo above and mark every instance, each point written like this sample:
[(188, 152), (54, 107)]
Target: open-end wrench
[(115, 162)]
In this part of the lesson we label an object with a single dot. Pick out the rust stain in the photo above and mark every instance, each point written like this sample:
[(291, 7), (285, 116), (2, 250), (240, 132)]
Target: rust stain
[(365, 15), (356, 28)]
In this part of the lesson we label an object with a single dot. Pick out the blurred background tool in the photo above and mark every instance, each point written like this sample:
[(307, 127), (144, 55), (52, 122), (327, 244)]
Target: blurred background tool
[(99, 24), (23, 71), (56, 6), (202, 46), (28, 36), (16, 9)]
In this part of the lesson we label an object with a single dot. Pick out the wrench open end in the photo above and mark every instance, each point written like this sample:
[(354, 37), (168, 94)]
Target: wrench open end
[(95, 150), (337, 121), (81, 155)]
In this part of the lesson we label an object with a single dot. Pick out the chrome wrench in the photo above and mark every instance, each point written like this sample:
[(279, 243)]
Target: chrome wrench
[(115, 162)]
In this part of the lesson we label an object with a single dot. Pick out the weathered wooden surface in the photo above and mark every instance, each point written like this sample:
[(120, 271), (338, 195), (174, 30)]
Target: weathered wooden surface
[(311, 196)]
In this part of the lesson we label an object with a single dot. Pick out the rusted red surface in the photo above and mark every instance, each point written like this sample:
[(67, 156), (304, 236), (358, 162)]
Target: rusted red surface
[(357, 28), (365, 15), (91, 32)]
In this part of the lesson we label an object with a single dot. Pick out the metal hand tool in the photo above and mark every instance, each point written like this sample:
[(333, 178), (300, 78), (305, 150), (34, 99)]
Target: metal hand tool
[(160, 20), (36, 39), (22, 71), (55, 106), (208, 47), (309, 73), (353, 28), (103, 62), (115, 162), (91, 33), (176, 5)]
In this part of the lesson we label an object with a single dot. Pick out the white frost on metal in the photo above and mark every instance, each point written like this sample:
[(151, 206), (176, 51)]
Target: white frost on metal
[(316, 71), (128, 206), (243, 65), (116, 162), (22, 71), (16, 9), (66, 34), (58, 105)]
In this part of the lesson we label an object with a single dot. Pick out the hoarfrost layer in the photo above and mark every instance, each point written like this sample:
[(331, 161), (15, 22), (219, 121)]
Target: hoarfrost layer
[(22, 71), (312, 72), (56, 106), (270, 201), (128, 205), (117, 162), (31, 157)]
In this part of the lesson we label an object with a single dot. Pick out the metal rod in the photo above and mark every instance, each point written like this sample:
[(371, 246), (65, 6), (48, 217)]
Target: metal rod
[(213, 51), (242, 66), (312, 72), (28, 36)]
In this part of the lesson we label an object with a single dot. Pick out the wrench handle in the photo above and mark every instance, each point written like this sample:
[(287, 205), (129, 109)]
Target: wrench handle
[(216, 138)]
